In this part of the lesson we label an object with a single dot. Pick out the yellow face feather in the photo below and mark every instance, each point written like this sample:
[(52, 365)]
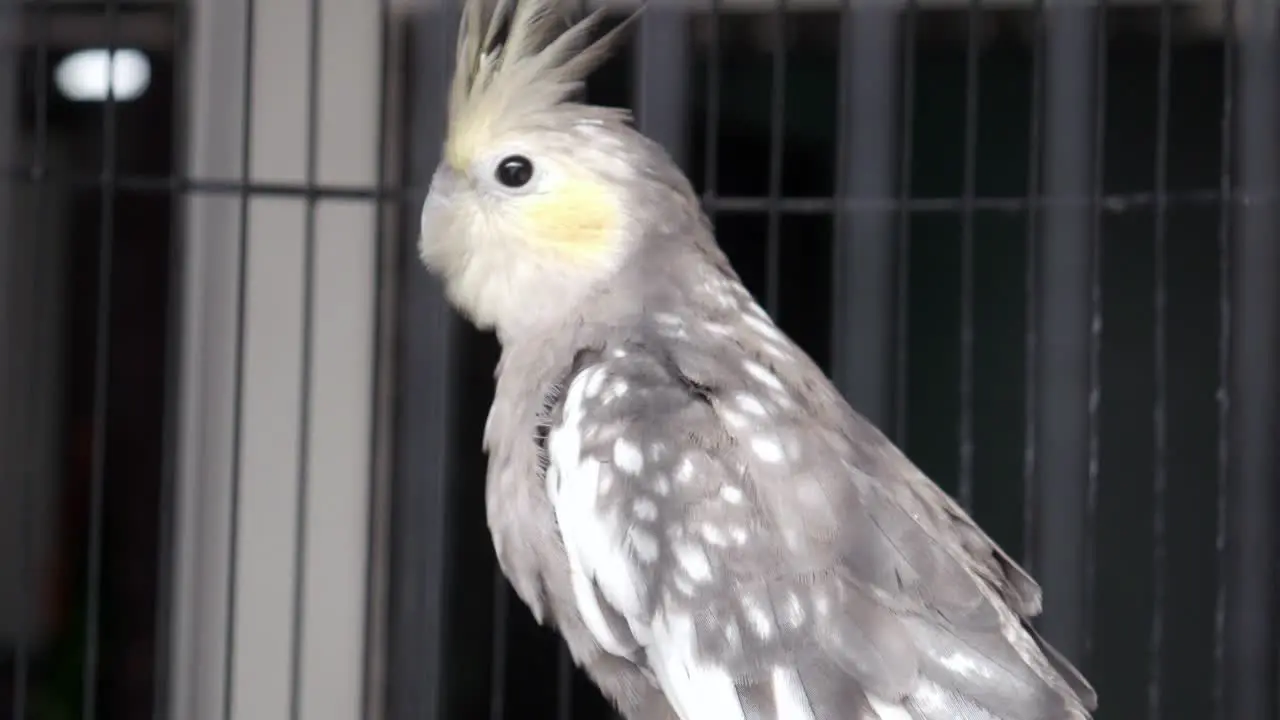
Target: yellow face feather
[(514, 250), (579, 222), (501, 82)]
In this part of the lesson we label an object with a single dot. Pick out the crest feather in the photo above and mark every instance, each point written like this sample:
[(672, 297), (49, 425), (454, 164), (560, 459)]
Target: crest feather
[(517, 57)]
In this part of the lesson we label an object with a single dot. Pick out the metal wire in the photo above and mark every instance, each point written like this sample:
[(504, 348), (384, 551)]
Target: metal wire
[(22, 671), (1087, 207), (302, 497), (371, 702), (972, 93), (1223, 394), (166, 533), (1031, 318), (1110, 203), (903, 260), (777, 140), (237, 401), (101, 378), (1092, 482), (1160, 481)]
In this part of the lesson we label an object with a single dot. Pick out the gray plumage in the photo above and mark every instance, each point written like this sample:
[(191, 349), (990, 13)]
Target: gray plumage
[(923, 607), (676, 486)]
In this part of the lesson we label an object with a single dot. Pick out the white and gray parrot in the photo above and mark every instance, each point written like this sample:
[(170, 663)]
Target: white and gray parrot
[(672, 482)]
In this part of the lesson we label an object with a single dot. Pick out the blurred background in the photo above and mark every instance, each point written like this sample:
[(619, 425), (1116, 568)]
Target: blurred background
[(240, 467)]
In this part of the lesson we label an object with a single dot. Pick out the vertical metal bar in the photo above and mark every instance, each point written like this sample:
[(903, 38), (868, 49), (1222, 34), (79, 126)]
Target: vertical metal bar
[(972, 90), (1031, 283), (903, 256), (777, 151), (1160, 480), (1251, 571), (162, 666), (101, 383), (1095, 328), (424, 457), (304, 371), (373, 703), (661, 78), (564, 680), (711, 158), (15, 398), (1225, 390), (863, 290), (237, 412), (498, 651), (1063, 354), (19, 396)]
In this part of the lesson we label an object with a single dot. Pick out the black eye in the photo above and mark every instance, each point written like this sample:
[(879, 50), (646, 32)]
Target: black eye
[(515, 171)]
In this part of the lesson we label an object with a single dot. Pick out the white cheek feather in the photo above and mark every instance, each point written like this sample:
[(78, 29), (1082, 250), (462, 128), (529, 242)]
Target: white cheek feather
[(490, 270)]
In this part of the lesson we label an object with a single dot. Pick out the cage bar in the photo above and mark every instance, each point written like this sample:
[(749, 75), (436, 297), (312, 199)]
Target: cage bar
[(426, 350), (972, 94), (867, 223), (101, 377), (1159, 412), (1250, 650), (661, 84), (302, 494), (1064, 386)]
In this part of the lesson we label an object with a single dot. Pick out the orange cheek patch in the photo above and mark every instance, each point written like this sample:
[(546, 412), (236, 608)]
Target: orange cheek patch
[(579, 220)]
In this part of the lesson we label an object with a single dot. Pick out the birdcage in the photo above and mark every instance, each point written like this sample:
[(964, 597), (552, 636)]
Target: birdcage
[(240, 464)]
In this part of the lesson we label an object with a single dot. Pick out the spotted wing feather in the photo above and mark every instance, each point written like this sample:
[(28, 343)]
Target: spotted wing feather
[(738, 548)]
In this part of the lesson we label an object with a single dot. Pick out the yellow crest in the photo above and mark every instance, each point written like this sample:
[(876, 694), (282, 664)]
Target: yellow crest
[(516, 58)]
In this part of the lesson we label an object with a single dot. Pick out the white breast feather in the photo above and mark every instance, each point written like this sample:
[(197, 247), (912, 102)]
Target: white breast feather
[(596, 551)]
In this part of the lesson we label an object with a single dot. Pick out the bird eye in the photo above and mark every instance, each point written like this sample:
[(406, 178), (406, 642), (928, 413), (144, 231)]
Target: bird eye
[(515, 171)]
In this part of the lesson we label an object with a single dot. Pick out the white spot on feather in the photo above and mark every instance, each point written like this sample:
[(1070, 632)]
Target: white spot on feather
[(930, 698), (760, 621), (732, 634), (765, 327), (595, 382), (714, 535), (960, 664), (737, 421), (750, 404), (615, 391), (645, 509), (793, 610), (684, 471), (763, 374), (644, 544), (789, 698), (627, 456), (888, 710), (767, 449), (716, 328), (693, 560), (731, 494)]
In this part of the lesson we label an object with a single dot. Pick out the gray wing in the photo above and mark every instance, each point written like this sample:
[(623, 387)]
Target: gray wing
[(733, 543)]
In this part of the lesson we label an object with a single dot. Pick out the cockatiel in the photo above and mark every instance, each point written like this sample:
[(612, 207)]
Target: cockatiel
[(672, 482)]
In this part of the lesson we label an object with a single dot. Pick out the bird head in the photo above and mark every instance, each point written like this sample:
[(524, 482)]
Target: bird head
[(539, 199)]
